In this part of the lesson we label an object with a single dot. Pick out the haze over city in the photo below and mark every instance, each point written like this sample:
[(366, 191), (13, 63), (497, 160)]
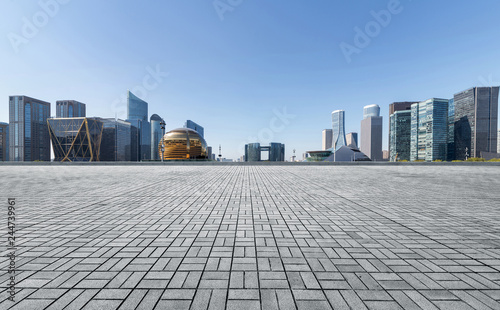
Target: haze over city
[(239, 69)]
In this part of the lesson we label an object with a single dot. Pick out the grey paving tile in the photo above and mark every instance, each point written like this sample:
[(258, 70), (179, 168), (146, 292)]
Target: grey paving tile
[(274, 237)]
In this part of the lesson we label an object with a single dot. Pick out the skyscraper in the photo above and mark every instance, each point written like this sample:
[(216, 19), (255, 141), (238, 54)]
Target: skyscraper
[(326, 139), (352, 139), (338, 130), (399, 135), (115, 145), (156, 135), (4, 141), (70, 108), (137, 116), (403, 126), (192, 125), (371, 110), (476, 116), (28, 131), (371, 132), (451, 131), (209, 153), (429, 130)]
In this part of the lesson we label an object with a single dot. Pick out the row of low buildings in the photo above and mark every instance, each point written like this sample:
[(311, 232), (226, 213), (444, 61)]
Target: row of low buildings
[(74, 137), (435, 129)]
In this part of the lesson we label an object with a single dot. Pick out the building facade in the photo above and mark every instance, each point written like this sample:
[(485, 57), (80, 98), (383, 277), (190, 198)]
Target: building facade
[(192, 125), (75, 138), (28, 132), (451, 131), (338, 130), (371, 110), (184, 144), (137, 116), (399, 135), (352, 140), (70, 108), (402, 145), (156, 134), (253, 151), (476, 117), (4, 141), (209, 152), (371, 137), (429, 130), (326, 140), (116, 137)]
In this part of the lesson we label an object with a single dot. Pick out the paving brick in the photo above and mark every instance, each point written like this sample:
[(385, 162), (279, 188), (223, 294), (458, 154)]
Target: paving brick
[(262, 236)]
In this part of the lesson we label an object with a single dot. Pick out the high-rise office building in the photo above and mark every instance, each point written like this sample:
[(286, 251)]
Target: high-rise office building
[(192, 125), (399, 135), (404, 128), (156, 135), (70, 108), (75, 138), (338, 130), (115, 145), (371, 110), (276, 152), (209, 152), (326, 140), (429, 130), (4, 141), (137, 116), (28, 132), (352, 139), (371, 132), (451, 131), (476, 117), (252, 152)]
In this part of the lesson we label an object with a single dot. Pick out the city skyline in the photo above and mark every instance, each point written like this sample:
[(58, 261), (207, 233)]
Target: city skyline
[(246, 80)]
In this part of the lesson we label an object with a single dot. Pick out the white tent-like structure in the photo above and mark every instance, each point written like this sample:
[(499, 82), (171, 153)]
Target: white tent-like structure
[(345, 153)]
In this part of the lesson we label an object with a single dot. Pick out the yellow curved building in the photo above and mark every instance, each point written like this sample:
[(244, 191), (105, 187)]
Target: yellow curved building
[(183, 143)]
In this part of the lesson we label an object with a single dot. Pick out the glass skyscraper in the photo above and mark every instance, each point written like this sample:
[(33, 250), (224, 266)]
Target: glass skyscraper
[(399, 135), (28, 131), (192, 125), (371, 110), (476, 117), (4, 141), (137, 116), (451, 130), (338, 130), (116, 137), (429, 130), (156, 135), (70, 108), (404, 126)]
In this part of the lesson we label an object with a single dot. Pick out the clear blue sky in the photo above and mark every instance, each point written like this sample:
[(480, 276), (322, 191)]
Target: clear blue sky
[(228, 69)]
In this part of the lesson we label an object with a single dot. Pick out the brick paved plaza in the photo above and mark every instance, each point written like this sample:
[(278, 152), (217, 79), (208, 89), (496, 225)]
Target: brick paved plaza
[(253, 237)]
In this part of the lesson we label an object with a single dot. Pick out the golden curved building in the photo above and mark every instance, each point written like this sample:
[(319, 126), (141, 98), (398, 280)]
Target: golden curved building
[(183, 143)]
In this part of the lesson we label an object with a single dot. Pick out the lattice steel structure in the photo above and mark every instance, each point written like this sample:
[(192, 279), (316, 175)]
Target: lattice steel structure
[(75, 139)]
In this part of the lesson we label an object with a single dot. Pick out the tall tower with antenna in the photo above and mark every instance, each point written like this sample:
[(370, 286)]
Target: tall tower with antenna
[(220, 153)]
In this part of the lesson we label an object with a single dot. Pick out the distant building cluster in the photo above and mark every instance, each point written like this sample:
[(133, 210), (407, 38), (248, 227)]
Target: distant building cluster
[(431, 130), (75, 137)]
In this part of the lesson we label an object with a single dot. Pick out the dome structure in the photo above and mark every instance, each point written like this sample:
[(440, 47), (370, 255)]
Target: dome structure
[(182, 144)]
